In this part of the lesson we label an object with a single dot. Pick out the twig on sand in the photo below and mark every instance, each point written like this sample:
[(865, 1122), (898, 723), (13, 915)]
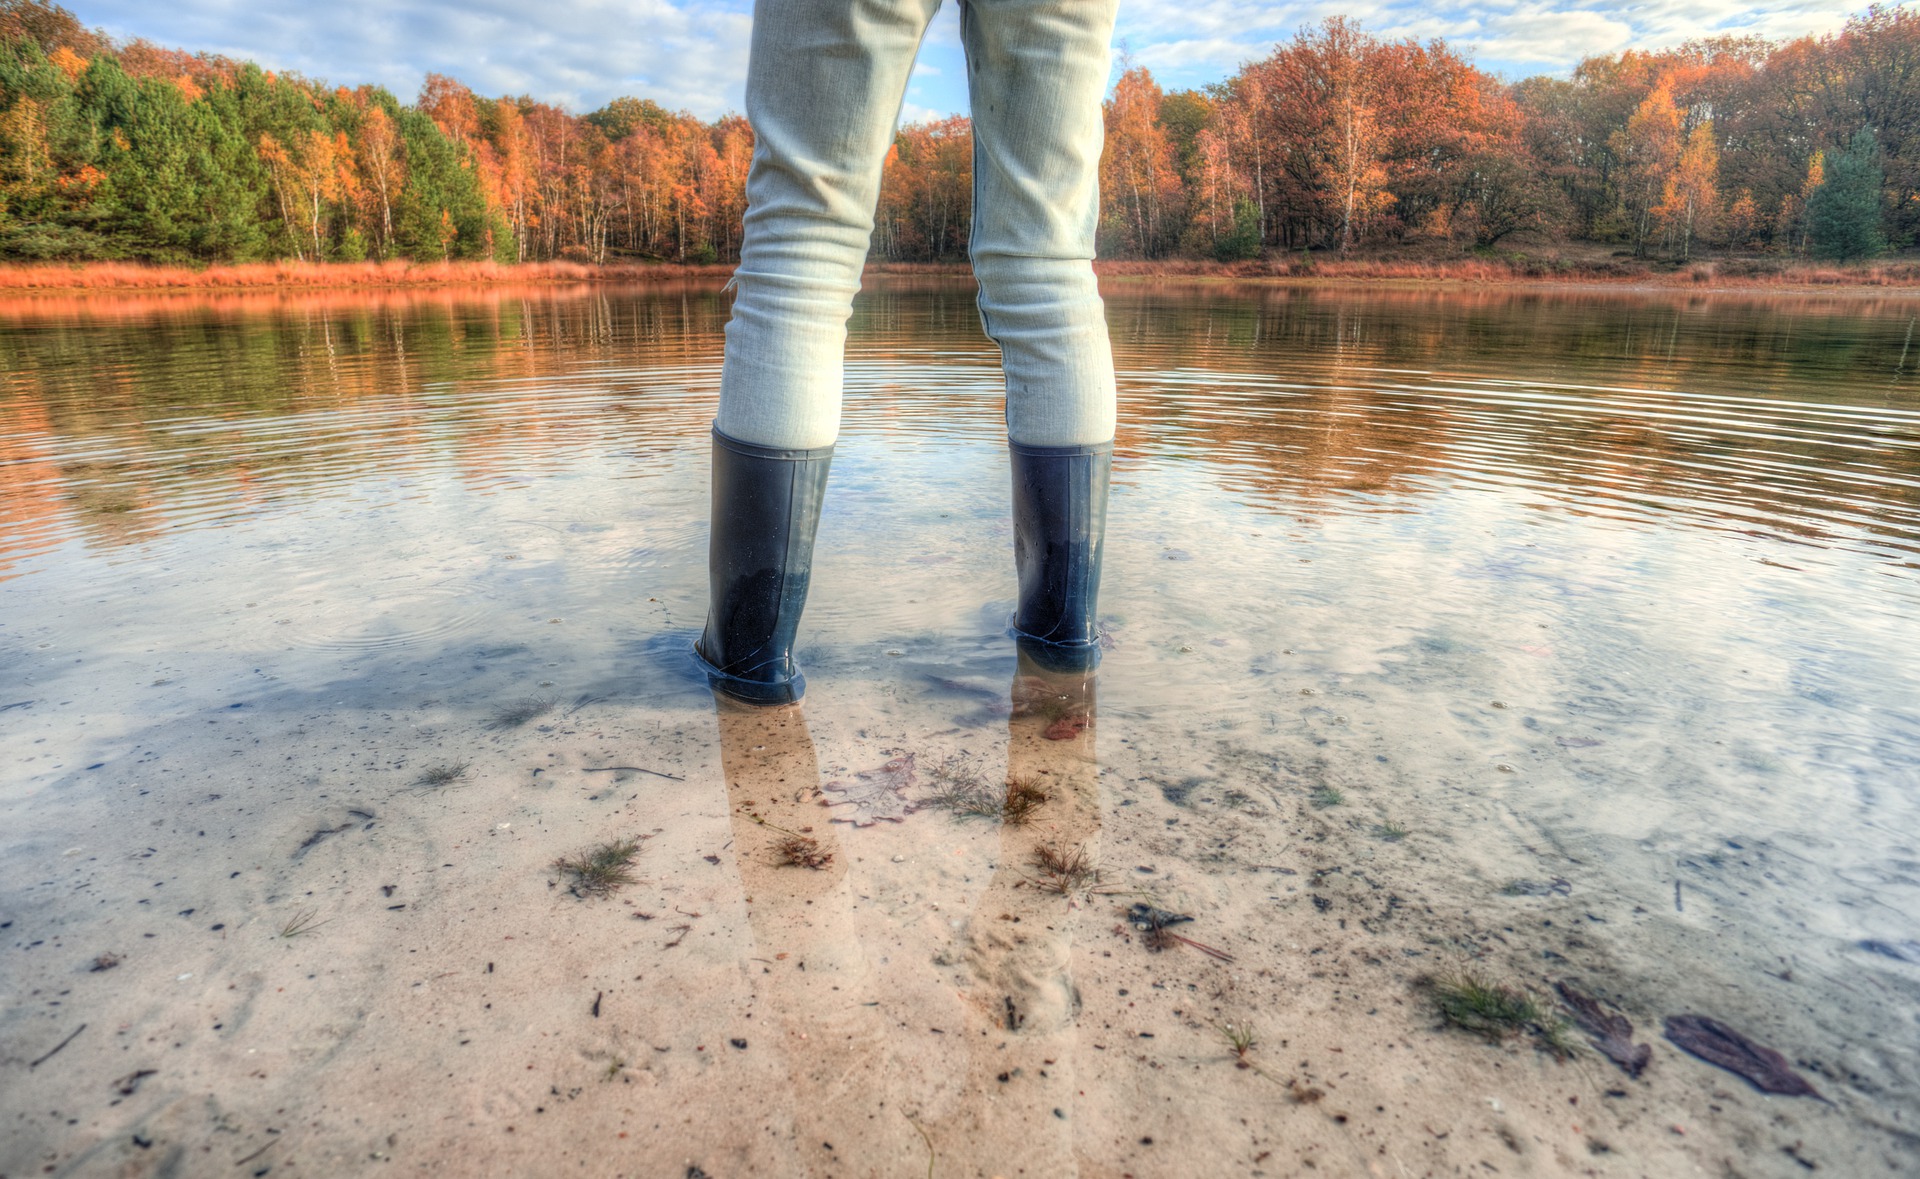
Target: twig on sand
[(57, 1047), (925, 1139), (635, 769)]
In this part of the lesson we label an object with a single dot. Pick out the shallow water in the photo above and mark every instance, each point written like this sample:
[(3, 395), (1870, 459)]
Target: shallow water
[(1548, 635)]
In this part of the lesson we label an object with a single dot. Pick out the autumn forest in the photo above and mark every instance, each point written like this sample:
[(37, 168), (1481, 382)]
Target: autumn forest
[(1337, 140)]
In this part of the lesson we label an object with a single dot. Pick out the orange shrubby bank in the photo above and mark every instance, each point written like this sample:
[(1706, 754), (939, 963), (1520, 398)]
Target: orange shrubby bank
[(1337, 143)]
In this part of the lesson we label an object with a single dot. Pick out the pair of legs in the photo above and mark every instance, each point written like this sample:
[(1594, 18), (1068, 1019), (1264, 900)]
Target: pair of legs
[(824, 89)]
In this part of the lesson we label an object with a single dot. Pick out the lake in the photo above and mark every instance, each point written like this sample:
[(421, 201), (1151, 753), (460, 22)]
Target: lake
[(1527, 639)]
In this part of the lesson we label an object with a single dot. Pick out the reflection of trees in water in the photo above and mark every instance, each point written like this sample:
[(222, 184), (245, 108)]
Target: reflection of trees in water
[(108, 402), (1780, 414), (1788, 416)]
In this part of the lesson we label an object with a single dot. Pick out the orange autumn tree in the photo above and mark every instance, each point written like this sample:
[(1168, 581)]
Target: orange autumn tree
[(1141, 190), (1333, 139), (1690, 198), (1648, 148)]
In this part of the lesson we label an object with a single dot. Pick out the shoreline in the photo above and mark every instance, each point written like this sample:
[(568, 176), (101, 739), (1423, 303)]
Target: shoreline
[(1738, 276)]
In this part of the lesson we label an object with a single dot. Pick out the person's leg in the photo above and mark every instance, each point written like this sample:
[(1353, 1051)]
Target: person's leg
[(824, 86), (1037, 70)]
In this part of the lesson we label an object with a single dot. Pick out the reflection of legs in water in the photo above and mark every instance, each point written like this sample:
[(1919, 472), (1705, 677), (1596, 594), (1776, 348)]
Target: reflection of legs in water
[(815, 978), (1020, 940)]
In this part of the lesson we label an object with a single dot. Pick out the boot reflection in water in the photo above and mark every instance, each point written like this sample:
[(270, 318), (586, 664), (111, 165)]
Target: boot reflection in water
[(1020, 939), (816, 980)]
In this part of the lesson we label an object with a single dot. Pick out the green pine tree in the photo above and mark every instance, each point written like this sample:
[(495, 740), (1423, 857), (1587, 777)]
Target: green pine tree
[(1243, 240), (1843, 214)]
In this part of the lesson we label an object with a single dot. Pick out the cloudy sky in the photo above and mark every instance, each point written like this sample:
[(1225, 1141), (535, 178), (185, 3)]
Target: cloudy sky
[(691, 54)]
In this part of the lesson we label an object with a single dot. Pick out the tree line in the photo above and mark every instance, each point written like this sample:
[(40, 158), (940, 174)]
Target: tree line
[(1336, 140)]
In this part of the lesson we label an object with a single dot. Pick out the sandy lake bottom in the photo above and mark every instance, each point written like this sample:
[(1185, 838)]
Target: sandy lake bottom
[(1559, 643)]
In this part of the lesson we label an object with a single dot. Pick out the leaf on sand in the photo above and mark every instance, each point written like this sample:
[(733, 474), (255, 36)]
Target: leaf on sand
[(876, 794), (1611, 1031), (1716, 1043)]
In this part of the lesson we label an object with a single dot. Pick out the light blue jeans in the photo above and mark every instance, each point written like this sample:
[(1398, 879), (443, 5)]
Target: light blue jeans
[(824, 87)]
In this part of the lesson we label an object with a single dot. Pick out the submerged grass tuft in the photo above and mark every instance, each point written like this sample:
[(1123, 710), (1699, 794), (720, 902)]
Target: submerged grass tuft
[(1391, 831), (1240, 1038), (1499, 1012), (301, 922), (434, 777), (1024, 796), (512, 716), (598, 871), (1065, 872), (801, 851), (966, 795), (1326, 796)]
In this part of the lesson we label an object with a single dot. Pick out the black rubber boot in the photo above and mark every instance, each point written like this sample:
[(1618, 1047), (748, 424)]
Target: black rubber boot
[(766, 506), (1059, 519)]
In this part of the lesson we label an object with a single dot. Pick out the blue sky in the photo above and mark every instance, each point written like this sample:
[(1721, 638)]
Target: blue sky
[(691, 54)]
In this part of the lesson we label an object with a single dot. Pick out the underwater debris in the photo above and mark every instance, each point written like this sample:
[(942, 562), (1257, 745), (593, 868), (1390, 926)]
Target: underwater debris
[(105, 961), (1558, 886), (1154, 922), (1610, 1031), (877, 794), (598, 871), (512, 716), (1145, 916), (1718, 1044), (801, 851), (434, 777)]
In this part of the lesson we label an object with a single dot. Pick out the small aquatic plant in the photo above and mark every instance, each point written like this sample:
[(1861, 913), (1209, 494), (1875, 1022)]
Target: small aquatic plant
[(1493, 1010), (434, 777), (1065, 872), (301, 922), (965, 795), (1024, 796), (598, 871), (801, 851), (1240, 1038), (1391, 831), (961, 794), (1326, 796), (1499, 1012), (512, 716)]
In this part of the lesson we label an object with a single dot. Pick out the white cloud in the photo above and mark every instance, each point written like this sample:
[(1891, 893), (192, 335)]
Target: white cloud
[(578, 53), (693, 53), (1190, 42)]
